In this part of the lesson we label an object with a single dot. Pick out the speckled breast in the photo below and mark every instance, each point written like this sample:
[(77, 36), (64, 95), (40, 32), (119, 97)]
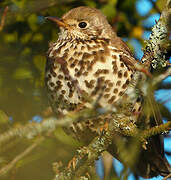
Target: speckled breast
[(92, 68)]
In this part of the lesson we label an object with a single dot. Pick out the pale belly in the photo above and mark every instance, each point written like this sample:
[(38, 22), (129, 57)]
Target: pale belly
[(81, 79)]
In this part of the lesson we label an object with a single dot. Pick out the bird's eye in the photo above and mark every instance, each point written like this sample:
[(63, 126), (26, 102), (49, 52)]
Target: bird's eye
[(82, 24)]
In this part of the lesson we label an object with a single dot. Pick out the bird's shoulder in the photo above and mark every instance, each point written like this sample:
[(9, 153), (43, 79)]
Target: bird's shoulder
[(124, 51)]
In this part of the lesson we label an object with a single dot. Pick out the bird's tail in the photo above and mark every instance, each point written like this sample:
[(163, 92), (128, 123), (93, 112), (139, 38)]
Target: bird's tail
[(152, 162)]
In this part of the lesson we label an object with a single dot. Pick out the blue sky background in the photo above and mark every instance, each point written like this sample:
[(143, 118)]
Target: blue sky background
[(143, 7)]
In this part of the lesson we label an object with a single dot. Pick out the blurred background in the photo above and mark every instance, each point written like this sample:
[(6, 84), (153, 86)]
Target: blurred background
[(24, 41)]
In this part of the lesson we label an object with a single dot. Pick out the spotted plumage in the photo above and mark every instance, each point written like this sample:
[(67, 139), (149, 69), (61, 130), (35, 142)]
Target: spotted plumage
[(90, 60), (86, 70)]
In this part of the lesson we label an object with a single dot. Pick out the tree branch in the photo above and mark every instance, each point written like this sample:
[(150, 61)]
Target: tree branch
[(31, 130), (119, 124), (158, 43), (9, 166)]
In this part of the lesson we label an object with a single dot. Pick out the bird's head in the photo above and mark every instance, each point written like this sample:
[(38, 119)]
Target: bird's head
[(83, 23)]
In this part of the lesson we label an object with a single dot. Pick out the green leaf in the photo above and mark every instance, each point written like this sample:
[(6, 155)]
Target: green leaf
[(26, 37), (3, 118), (11, 37), (64, 138), (22, 73), (109, 9), (37, 37), (32, 20), (39, 62)]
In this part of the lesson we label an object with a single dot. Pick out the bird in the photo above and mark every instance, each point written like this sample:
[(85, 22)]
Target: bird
[(89, 61)]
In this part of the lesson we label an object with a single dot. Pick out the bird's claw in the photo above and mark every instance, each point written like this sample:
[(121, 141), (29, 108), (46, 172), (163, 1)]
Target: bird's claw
[(72, 163)]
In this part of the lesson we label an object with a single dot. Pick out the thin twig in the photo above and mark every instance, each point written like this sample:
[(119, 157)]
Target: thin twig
[(167, 177), (161, 77), (2, 23), (157, 130), (9, 166), (33, 129)]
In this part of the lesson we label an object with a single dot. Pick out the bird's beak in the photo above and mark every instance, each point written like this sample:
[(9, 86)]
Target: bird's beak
[(58, 21)]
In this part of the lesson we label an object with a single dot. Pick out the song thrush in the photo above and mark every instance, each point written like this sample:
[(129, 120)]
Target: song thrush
[(90, 59)]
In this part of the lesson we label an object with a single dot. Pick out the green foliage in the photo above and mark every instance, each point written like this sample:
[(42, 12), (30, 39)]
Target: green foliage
[(61, 136), (3, 118), (109, 9)]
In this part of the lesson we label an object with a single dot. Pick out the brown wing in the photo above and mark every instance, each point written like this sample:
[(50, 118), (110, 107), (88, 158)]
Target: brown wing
[(127, 57)]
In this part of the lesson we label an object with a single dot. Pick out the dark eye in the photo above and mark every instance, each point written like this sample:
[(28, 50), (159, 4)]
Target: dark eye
[(82, 24)]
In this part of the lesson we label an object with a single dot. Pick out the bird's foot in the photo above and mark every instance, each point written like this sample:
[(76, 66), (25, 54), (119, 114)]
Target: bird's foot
[(72, 163)]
